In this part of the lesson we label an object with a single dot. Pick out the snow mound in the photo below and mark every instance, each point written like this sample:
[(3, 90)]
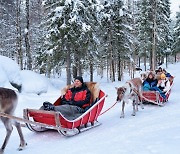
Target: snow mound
[(33, 82), (10, 72)]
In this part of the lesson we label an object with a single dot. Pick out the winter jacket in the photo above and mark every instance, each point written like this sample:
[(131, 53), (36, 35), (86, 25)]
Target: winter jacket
[(150, 82), (80, 96), (164, 85)]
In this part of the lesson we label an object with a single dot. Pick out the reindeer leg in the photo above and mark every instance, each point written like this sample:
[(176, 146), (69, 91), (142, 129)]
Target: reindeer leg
[(140, 97), (140, 102), (122, 113), (134, 111), (22, 141), (136, 102), (8, 125)]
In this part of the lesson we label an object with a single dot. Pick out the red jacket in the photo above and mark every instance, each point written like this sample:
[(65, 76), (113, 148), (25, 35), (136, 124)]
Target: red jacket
[(80, 96)]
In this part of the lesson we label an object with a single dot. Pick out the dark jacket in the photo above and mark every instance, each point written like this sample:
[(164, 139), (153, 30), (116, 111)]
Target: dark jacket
[(79, 96)]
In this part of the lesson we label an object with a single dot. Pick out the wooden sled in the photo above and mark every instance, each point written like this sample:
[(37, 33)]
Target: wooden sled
[(55, 120), (154, 97)]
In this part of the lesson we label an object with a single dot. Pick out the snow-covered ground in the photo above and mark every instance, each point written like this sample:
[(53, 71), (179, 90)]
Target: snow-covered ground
[(154, 130)]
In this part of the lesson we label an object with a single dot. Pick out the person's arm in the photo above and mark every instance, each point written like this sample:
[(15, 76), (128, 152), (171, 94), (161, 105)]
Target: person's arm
[(167, 86), (159, 83), (66, 98)]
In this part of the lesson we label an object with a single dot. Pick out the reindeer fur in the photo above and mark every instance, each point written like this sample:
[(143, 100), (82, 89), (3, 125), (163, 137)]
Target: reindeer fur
[(8, 102), (130, 91)]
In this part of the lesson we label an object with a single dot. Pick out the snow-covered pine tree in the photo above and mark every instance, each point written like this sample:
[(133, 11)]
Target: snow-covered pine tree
[(154, 31), (117, 35), (8, 31), (176, 44), (164, 36), (37, 31), (70, 31), (19, 37), (144, 28), (27, 37)]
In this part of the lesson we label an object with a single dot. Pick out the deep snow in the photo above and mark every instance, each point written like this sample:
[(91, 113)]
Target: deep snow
[(154, 130)]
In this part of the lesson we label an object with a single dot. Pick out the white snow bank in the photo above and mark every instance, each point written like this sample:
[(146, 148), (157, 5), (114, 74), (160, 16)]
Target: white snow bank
[(33, 82), (10, 72)]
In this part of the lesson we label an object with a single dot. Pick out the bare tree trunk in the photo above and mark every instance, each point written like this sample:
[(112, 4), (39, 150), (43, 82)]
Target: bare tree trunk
[(48, 67), (175, 58), (153, 64), (19, 35), (112, 70), (107, 68), (119, 69), (101, 69), (68, 67), (80, 67), (139, 61), (74, 71), (91, 71), (145, 67), (27, 41)]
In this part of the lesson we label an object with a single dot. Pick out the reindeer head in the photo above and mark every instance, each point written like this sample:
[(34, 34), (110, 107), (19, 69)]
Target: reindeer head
[(120, 93), (143, 76)]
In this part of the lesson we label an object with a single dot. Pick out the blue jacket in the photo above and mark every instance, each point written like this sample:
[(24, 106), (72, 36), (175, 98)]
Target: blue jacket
[(150, 83)]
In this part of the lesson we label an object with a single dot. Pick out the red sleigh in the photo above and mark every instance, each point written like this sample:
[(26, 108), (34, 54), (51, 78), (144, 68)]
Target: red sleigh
[(44, 120), (154, 97)]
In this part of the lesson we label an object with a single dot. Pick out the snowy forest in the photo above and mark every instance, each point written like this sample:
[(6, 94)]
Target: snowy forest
[(47, 36)]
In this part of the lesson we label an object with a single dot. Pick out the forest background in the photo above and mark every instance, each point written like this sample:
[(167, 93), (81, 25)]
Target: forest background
[(48, 36)]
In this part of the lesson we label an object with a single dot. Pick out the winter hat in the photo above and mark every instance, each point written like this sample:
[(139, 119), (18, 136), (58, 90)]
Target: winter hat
[(79, 78), (163, 76)]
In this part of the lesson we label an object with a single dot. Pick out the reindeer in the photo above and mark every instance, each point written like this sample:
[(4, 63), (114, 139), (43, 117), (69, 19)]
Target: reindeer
[(8, 102), (130, 91)]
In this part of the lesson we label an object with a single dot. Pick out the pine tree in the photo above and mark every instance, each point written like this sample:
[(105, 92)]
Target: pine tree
[(154, 28), (8, 29), (70, 29), (164, 36), (116, 35), (176, 45)]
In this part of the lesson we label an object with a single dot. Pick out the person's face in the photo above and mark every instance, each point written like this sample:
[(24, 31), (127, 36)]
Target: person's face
[(77, 83), (150, 76)]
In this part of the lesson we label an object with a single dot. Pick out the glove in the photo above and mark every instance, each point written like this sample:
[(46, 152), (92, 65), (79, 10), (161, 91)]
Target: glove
[(48, 106)]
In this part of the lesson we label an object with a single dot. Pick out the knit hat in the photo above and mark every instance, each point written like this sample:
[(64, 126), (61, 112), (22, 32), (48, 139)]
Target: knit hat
[(163, 76), (79, 78)]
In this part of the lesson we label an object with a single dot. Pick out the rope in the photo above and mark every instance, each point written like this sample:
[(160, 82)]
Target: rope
[(108, 109)]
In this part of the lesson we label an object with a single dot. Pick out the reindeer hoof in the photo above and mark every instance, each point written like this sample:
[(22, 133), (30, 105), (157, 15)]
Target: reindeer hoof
[(1, 151), (122, 116), (133, 114), (21, 147)]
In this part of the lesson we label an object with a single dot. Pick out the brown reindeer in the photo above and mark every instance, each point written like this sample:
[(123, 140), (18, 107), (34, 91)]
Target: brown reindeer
[(8, 102), (130, 91)]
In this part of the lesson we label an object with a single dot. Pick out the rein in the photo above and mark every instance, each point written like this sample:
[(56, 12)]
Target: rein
[(108, 108)]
